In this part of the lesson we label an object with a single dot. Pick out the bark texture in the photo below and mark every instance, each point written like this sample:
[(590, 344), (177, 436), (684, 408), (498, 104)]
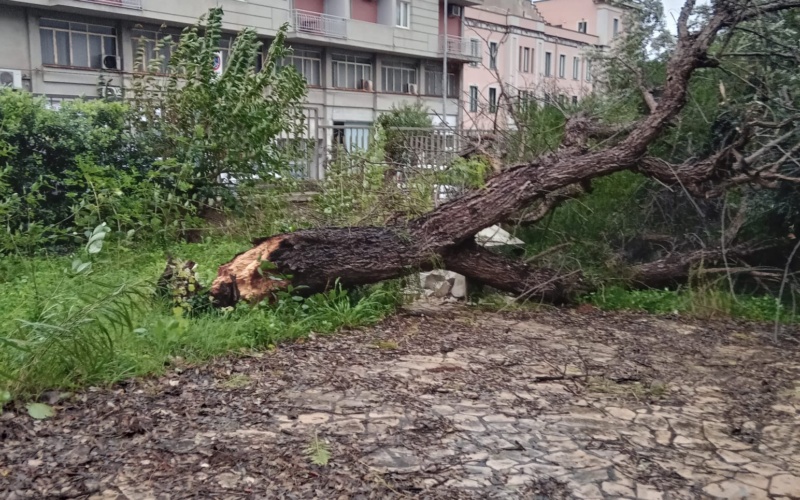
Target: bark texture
[(360, 255)]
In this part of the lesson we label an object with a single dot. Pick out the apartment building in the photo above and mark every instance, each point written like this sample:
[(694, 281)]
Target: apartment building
[(359, 57), (525, 57)]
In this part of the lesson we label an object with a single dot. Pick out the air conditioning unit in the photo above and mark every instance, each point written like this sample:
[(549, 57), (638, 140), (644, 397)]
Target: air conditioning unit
[(112, 62), (366, 85), (412, 88), (454, 10), (10, 78)]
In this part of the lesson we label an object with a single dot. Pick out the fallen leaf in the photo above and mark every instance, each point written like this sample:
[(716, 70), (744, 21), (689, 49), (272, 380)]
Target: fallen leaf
[(40, 411)]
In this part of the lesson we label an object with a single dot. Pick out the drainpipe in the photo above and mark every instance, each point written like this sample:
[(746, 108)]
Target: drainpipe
[(444, 68)]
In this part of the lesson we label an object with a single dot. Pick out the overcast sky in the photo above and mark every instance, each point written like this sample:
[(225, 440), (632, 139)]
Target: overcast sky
[(672, 8)]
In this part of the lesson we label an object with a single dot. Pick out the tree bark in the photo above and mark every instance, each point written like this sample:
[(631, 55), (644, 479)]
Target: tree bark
[(317, 258)]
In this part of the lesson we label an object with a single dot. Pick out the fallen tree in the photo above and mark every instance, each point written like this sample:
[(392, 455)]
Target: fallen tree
[(316, 258)]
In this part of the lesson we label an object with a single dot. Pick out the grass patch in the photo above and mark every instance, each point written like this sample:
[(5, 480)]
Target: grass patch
[(67, 330), (696, 302)]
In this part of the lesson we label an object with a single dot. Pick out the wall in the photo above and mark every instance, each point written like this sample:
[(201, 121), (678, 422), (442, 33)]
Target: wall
[(14, 46), (511, 33), (453, 23), (364, 10), (310, 5)]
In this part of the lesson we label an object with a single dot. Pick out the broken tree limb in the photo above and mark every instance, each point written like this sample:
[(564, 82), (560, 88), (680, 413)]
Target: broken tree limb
[(676, 268), (317, 258)]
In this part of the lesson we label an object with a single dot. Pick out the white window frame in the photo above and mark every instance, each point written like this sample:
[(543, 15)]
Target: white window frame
[(576, 68), (403, 18), (433, 80), (615, 28), (526, 59), (473, 98), (562, 66), (582, 26), (403, 74), (74, 29), (492, 100), (361, 66), (304, 61), (588, 71)]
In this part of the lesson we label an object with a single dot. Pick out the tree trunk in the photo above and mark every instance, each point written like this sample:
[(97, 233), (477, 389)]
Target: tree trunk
[(360, 255)]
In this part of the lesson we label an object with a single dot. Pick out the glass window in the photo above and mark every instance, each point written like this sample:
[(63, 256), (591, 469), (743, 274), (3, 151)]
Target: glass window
[(398, 76), (492, 100), (151, 48), (473, 99), (616, 27), (588, 71), (582, 27), (574, 100), (433, 82), (351, 71), (76, 44), (548, 63), (576, 68), (308, 63), (475, 50), (562, 65), (403, 14), (492, 55), (526, 67)]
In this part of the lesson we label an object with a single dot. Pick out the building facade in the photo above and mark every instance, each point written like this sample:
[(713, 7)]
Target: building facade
[(360, 57), (525, 57)]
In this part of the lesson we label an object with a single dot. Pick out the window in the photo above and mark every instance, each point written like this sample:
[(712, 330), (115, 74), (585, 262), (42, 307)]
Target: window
[(76, 44), (492, 55), (574, 100), (616, 27), (473, 99), (308, 63), (475, 51), (397, 76), (225, 50), (433, 82), (588, 71), (350, 71), (152, 49), (547, 64), (576, 68), (582, 27), (492, 100), (403, 14), (526, 60), (562, 65)]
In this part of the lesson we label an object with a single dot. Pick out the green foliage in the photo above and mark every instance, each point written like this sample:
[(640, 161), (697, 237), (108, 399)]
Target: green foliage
[(40, 411), (227, 124), (103, 324), (318, 452), (592, 227), (704, 302)]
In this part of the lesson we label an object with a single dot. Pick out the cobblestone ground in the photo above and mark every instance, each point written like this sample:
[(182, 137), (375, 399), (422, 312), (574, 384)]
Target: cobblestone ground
[(441, 403)]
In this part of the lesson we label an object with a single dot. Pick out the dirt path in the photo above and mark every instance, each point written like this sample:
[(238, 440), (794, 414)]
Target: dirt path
[(447, 403)]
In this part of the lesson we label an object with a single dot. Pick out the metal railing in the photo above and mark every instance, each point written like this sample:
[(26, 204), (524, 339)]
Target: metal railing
[(127, 4), (456, 47), (315, 23)]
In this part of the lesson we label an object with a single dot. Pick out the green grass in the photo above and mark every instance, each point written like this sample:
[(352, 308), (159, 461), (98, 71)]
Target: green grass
[(696, 302), (59, 329)]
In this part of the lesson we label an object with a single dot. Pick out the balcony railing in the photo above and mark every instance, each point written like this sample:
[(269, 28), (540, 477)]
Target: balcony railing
[(457, 47), (315, 23), (127, 4)]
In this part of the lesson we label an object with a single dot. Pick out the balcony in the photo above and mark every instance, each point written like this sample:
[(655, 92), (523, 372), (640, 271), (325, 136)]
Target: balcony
[(126, 4), (459, 49), (314, 23)]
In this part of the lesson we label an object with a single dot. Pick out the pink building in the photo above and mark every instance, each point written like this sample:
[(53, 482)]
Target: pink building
[(527, 58)]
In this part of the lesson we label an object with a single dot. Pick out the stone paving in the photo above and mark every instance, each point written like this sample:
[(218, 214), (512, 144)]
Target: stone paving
[(559, 406)]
